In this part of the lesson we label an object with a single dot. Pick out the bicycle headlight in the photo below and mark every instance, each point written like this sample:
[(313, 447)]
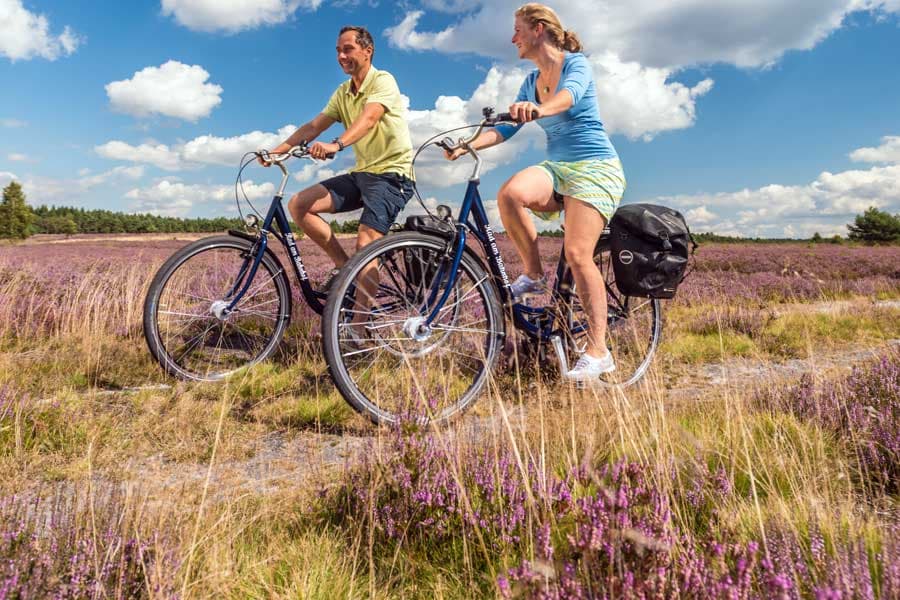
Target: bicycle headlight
[(251, 221)]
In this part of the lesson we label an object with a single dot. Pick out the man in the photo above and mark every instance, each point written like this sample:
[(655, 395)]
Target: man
[(370, 107)]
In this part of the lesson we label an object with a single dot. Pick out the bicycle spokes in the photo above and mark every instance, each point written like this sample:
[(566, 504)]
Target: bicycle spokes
[(392, 357)]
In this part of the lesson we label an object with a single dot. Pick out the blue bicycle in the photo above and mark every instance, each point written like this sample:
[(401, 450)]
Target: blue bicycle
[(223, 303), (415, 322)]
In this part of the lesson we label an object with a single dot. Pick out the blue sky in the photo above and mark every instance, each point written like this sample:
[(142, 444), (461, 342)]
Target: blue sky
[(754, 117)]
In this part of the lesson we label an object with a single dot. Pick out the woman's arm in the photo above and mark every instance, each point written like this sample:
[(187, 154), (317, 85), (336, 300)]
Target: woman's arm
[(485, 140), (525, 112)]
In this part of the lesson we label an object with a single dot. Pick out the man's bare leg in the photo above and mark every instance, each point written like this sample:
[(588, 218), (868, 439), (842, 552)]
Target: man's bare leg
[(367, 286), (305, 207)]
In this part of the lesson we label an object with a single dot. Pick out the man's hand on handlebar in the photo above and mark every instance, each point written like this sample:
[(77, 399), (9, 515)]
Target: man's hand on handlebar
[(525, 112), (321, 150), (455, 154), (262, 158)]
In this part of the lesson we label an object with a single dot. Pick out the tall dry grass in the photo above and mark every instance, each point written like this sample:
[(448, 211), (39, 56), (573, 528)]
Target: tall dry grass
[(742, 490)]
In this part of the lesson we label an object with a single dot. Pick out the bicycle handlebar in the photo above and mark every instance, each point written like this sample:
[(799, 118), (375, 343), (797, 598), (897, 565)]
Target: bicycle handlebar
[(299, 151), (490, 120)]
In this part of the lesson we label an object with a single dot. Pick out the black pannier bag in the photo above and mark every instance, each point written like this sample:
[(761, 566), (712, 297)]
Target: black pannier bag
[(649, 247)]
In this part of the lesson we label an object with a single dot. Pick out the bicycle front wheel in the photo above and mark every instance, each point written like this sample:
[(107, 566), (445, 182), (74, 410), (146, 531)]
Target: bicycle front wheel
[(384, 358), (187, 324), (633, 328)]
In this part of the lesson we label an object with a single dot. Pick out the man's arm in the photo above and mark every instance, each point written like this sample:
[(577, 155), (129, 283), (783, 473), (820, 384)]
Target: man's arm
[(305, 133), (368, 118)]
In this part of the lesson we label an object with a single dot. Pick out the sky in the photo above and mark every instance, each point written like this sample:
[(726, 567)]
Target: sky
[(770, 118)]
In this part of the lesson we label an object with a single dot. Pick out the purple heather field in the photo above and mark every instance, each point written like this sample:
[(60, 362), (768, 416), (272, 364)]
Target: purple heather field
[(611, 526), (727, 273)]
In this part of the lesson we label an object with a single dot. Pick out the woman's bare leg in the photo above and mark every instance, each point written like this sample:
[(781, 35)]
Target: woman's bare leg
[(584, 224), (528, 189)]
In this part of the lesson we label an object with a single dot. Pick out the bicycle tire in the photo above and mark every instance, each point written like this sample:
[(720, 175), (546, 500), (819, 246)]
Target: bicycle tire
[(390, 374), (266, 308)]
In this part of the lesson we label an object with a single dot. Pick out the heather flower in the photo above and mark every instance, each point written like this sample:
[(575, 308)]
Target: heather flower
[(863, 409), (49, 548)]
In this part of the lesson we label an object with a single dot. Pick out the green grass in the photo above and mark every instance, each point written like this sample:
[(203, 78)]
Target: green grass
[(791, 335)]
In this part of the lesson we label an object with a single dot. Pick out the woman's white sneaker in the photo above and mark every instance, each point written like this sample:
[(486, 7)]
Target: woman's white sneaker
[(588, 368), (525, 286)]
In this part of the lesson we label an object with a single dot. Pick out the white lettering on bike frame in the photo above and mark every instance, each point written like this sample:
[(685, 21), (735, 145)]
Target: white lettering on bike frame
[(498, 260), (295, 255)]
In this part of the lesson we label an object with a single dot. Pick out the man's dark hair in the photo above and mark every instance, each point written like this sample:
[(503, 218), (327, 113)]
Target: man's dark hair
[(363, 37)]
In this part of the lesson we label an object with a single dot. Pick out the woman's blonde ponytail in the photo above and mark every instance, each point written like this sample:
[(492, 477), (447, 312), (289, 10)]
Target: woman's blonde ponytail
[(571, 41)]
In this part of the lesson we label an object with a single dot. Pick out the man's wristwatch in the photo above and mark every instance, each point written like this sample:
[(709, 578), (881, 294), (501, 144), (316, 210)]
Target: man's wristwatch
[(340, 144)]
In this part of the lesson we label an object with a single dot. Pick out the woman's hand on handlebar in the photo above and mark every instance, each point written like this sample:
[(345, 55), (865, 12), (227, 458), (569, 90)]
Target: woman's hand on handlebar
[(525, 112)]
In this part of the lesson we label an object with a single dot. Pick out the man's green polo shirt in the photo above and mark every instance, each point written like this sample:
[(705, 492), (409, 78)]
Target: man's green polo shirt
[(387, 147)]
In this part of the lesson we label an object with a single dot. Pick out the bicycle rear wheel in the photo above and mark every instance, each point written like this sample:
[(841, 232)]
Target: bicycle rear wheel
[(383, 359), (186, 326), (634, 327)]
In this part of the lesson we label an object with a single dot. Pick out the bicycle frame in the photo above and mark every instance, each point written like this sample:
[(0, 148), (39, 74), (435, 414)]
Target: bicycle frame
[(275, 217), (473, 218)]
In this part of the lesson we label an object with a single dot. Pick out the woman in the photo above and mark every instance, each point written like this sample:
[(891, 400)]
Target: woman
[(583, 175)]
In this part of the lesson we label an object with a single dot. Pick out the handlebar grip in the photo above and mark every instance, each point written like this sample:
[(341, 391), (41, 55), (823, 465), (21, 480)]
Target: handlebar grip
[(330, 155), (508, 117)]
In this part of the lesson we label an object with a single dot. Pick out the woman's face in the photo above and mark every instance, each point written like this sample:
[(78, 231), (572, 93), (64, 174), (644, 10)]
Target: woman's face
[(525, 38)]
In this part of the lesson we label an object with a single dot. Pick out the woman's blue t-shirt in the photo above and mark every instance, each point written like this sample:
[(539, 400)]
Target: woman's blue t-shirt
[(576, 134)]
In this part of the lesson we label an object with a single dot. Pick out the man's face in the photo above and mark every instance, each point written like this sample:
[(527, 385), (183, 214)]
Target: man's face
[(350, 55)]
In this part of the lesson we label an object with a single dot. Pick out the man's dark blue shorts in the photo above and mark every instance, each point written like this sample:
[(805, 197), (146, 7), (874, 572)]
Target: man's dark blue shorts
[(381, 197)]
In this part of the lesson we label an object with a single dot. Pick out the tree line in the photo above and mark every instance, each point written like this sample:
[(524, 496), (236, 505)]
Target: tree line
[(18, 220)]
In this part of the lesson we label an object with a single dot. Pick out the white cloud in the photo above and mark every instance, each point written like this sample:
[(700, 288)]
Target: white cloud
[(6, 177), (231, 16), (498, 89), (213, 150), (12, 123), (16, 157), (672, 34), (158, 155), (45, 190), (315, 171), (825, 205), (639, 102), (203, 150), (700, 216), (173, 198), (26, 35), (87, 181), (635, 101), (173, 89), (888, 152), (49, 190)]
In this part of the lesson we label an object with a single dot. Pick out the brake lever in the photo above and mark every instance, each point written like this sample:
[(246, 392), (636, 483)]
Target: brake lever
[(446, 144)]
